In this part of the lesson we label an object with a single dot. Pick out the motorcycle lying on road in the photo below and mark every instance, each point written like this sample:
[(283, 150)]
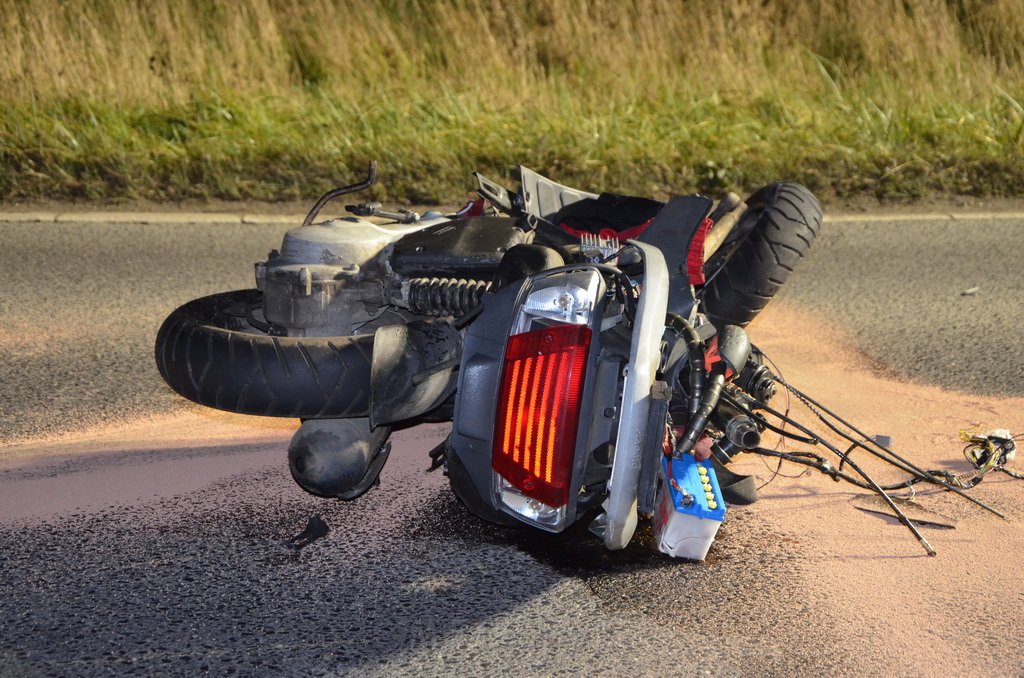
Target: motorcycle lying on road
[(582, 345)]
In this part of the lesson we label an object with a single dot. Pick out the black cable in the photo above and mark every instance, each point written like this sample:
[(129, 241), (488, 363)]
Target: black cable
[(853, 446), (906, 467), (849, 450), (370, 180), (944, 478), (837, 474), (893, 458), (814, 461), (695, 426), (874, 486), (781, 445), (695, 350), (781, 431), (250, 317), (844, 457)]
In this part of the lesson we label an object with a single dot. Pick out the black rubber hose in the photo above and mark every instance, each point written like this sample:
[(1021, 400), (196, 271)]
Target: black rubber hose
[(370, 180), (695, 346), (707, 404), (207, 352)]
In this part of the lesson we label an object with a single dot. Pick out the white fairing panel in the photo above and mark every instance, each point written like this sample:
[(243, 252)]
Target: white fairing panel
[(543, 197), (621, 504)]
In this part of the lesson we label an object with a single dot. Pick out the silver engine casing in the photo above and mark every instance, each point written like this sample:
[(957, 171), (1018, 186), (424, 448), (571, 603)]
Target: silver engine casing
[(331, 278)]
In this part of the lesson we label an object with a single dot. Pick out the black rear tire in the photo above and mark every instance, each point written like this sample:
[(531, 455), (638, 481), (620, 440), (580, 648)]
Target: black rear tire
[(786, 219), (208, 352)]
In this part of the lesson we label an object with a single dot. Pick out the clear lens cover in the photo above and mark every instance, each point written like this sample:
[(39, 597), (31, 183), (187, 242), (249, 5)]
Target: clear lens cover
[(568, 298), (530, 509)]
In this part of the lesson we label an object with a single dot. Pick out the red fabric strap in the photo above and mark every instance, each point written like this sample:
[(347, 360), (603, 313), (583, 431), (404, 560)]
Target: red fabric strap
[(695, 255)]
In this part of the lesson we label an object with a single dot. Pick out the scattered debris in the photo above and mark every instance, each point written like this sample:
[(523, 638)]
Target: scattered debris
[(883, 440), (919, 516), (990, 451), (316, 528)]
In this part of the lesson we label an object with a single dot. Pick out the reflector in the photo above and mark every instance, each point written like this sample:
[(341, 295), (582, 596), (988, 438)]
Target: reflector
[(539, 409)]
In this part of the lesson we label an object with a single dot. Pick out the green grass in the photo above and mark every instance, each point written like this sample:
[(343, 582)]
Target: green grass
[(269, 101)]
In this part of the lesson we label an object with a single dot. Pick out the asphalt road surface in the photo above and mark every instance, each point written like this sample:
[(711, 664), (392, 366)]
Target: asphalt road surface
[(935, 301), (123, 555)]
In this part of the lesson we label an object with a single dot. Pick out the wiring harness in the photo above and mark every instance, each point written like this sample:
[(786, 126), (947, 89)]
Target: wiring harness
[(988, 453)]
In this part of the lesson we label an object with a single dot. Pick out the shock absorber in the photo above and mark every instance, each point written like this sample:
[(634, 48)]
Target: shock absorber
[(441, 296)]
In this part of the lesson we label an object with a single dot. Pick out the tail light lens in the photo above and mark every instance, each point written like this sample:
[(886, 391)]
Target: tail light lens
[(537, 418)]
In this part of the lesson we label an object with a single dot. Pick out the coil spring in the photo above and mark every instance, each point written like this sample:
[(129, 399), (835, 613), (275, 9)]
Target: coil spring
[(445, 296)]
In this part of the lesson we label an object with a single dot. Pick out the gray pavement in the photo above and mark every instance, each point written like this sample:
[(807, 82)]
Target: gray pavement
[(932, 300), (81, 304), (406, 583)]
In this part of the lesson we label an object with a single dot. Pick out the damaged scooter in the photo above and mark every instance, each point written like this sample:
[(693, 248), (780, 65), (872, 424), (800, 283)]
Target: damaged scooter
[(588, 349)]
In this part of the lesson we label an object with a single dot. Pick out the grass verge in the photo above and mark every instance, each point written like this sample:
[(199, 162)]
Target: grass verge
[(182, 99)]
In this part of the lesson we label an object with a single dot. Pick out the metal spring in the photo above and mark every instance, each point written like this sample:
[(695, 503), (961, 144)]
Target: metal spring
[(445, 296)]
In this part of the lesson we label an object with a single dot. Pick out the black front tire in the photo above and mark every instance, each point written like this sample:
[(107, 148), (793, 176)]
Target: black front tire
[(786, 218)]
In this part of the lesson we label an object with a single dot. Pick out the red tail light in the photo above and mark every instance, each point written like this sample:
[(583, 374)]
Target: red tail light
[(539, 410)]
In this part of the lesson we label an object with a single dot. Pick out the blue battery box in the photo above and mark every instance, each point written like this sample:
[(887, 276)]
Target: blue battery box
[(689, 509)]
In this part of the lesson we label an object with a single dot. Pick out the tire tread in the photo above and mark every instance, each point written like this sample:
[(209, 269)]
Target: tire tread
[(204, 357), (763, 262)]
